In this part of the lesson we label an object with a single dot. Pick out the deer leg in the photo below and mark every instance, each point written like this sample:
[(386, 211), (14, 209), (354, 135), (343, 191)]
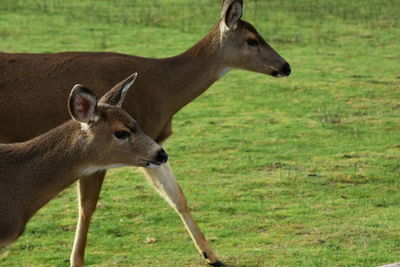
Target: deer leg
[(89, 191), (164, 182)]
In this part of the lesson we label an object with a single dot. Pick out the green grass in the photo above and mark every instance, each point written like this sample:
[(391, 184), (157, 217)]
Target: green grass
[(301, 171)]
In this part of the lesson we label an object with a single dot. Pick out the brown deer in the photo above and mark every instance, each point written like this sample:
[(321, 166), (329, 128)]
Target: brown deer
[(100, 136), (165, 86)]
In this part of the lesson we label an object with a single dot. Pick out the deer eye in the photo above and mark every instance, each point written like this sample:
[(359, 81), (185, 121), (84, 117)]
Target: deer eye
[(252, 42), (122, 134)]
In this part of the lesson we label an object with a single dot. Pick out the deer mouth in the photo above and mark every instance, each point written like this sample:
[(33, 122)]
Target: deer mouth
[(149, 163), (283, 72), (277, 74), (152, 164), (155, 162)]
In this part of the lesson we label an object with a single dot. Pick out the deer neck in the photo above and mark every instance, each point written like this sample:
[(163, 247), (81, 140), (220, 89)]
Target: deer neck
[(51, 162), (193, 72)]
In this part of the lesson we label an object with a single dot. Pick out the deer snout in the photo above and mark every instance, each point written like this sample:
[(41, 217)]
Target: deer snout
[(162, 156), (283, 71), (286, 69)]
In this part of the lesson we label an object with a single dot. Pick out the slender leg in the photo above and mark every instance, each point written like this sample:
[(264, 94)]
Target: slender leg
[(89, 191), (164, 182)]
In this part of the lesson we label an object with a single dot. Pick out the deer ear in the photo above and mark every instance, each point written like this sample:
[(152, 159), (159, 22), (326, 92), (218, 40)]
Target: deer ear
[(232, 11), (117, 94), (83, 104)]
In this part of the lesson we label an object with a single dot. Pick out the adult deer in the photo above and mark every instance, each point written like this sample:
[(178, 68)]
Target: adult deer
[(164, 87), (100, 136)]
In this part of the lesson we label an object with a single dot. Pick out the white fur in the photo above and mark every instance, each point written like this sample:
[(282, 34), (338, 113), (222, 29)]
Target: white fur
[(92, 169), (84, 126), (152, 166), (223, 29), (164, 181)]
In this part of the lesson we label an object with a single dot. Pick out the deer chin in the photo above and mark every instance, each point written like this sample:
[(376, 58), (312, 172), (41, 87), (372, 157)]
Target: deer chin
[(277, 74), (93, 169), (152, 165)]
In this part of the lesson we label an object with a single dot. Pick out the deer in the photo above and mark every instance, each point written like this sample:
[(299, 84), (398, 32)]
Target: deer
[(99, 136), (165, 86)]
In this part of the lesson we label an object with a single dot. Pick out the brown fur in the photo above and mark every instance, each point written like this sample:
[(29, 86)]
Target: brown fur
[(163, 87), (35, 171)]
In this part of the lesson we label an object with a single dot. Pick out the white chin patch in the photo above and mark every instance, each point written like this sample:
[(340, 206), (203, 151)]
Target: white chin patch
[(152, 165), (92, 169), (279, 75)]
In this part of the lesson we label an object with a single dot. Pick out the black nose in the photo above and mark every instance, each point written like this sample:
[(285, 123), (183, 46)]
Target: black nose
[(286, 69), (162, 156)]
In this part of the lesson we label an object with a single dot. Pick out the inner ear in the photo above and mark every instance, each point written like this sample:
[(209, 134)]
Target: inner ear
[(83, 104), (232, 11)]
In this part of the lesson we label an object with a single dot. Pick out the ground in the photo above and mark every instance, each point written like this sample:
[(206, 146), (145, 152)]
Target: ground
[(299, 171)]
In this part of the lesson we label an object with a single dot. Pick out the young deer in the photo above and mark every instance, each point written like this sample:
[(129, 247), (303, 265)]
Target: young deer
[(100, 136), (165, 86)]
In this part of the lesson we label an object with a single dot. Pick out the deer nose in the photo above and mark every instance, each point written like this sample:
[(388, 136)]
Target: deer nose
[(162, 156), (286, 69)]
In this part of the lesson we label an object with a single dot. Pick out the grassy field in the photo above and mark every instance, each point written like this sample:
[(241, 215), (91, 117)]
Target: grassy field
[(301, 171)]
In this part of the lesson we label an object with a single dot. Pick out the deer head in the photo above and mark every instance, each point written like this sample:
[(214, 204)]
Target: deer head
[(244, 47), (113, 135)]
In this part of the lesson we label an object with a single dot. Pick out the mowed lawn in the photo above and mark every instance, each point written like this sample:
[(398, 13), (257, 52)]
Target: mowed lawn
[(299, 171)]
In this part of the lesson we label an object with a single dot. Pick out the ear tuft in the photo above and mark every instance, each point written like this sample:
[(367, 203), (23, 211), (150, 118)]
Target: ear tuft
[(117, 94), (82, 104)]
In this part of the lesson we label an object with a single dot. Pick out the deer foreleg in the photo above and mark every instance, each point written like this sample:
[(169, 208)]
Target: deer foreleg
[(89, 191), (164, 182)]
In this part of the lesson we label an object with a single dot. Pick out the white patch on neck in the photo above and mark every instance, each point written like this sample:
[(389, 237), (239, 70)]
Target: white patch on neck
[(92, 169), (223, 72), (84, 126)]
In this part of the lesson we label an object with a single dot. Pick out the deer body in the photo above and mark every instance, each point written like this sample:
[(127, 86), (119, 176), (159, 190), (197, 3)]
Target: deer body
[(153, 105), (35, 171), (96, 73), (164, 87)]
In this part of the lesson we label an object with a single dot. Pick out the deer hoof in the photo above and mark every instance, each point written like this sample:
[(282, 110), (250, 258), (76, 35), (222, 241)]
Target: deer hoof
[(217, 264)]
